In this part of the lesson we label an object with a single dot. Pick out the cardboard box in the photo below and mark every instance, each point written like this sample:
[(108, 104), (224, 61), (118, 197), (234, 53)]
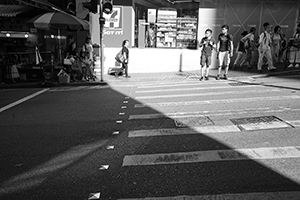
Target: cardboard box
[(64, 79)]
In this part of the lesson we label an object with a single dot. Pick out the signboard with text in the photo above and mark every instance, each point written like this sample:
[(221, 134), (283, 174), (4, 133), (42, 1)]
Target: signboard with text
[(114, 22)]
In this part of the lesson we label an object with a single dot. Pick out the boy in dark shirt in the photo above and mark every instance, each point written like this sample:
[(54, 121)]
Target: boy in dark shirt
[(207, 43), (225, 50)]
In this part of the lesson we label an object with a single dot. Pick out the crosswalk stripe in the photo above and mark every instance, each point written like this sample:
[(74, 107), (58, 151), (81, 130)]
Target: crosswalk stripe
[(183, 131), (293, 195), (212, 113), (207, 94), (195, 89), (187, 103), (213, 156), (176, 84)]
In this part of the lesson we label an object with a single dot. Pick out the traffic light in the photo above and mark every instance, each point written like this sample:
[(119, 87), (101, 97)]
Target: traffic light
[(92, 6), (107, 6)]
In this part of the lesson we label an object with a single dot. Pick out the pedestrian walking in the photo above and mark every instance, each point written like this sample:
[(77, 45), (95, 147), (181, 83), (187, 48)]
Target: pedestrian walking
[(249, 41), (294, 49), (207, 44), (240, 51), (278, 43), (125, 58), (264, 48), (225, 50)]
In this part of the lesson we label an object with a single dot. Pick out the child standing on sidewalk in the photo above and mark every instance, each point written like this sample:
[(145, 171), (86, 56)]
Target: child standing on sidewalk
[(207, 43), (264, 48), (225, 50)]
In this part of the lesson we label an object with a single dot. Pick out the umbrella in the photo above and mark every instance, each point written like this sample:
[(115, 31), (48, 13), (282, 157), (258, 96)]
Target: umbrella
[(59, 20)]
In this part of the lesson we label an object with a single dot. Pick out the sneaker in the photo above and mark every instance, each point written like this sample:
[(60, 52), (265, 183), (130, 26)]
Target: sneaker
[(218, 77), (127, 76), (272, 68), (225, 76), (290, 66), (201, 78), (297, 65), (206, 78)]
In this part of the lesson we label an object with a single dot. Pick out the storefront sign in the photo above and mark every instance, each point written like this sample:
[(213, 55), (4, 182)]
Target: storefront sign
[(115, 19)]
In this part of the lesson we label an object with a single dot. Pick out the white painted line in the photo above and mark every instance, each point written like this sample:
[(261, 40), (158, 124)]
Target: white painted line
[(104, 167), (22, 100), (207, 94), (125, 102), (213, 156), (176, 84), (116, 133), (198, 88), (263, 126), (242, 196), (119, 122), (187, 103), (295, 123), (110, 147), (203, 113), (121, 114), (94, 196), (183, 131), (123, 107)]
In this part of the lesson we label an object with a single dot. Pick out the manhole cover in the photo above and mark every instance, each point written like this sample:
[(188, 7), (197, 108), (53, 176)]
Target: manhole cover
[(258, 123), (193, 121)]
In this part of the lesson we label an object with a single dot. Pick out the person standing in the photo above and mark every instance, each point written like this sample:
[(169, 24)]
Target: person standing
[(294, 52), (125, 52), (225, 50), (207, 44), (240, 51), (88, 52), (264, 48), (278, 39)]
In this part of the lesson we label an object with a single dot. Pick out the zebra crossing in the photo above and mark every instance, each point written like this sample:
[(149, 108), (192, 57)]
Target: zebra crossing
[(195, 101)]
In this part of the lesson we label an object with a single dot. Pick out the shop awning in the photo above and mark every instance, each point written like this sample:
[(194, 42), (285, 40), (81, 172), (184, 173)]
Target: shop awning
[(12, 10)]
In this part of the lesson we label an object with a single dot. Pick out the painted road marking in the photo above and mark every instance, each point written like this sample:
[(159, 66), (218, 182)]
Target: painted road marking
[(94, 196), (176, 84), (207, 94), (187, 103), (22, 100), (196, 88), (183, 131), (213, 156), (241, 196), (263, 126), (204, 113), (295, 123)]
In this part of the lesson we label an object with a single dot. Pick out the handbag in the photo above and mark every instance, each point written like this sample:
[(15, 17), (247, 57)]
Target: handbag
[(67, 61), (120, 57)]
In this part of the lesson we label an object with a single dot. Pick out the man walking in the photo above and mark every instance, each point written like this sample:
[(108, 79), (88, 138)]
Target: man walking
[(264, 48), (225, 50)]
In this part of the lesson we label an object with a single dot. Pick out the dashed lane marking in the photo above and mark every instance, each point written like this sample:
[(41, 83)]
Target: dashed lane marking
[(187, 103), (183, 131), (242, 196), (213, 156), (23, 100), (207, 94), (196, 88)]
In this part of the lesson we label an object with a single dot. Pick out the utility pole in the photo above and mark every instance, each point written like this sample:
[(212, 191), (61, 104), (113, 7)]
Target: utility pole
[(101, 21)]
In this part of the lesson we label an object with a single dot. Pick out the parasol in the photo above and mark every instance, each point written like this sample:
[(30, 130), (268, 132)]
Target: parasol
[(59, 20)]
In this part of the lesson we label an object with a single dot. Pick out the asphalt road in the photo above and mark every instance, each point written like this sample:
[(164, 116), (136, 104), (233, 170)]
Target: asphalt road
[(136, 139)]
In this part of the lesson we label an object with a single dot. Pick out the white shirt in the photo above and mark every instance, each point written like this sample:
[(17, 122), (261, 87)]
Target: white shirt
[(265, 40)]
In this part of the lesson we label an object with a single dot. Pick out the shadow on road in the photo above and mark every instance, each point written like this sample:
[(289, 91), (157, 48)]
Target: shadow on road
[(53, 146)]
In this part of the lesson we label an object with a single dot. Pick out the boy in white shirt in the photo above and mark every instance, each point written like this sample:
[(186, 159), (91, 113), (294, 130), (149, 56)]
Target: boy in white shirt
[(264, 48)]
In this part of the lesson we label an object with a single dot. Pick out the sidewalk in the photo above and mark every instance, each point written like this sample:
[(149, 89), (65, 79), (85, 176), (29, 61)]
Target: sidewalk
[(139, 78)]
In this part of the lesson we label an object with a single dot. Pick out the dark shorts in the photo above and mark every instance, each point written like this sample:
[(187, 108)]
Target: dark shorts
[(205, 60)]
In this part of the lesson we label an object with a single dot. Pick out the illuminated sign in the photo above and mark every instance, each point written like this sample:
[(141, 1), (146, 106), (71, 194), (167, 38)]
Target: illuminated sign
[(114, 20)]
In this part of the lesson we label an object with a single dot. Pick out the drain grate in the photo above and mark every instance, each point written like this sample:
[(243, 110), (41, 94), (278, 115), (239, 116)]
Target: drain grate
[(193, 121), (258, 123)]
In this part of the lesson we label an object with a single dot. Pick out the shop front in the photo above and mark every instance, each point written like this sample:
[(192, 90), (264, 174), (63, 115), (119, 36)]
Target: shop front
[(164, 34)]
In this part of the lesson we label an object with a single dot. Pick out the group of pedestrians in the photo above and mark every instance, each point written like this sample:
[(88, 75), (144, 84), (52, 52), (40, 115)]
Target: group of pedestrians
[(270, 45), (82, 64)]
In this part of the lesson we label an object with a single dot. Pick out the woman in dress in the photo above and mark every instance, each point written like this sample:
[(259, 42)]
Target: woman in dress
[(294, 51)]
